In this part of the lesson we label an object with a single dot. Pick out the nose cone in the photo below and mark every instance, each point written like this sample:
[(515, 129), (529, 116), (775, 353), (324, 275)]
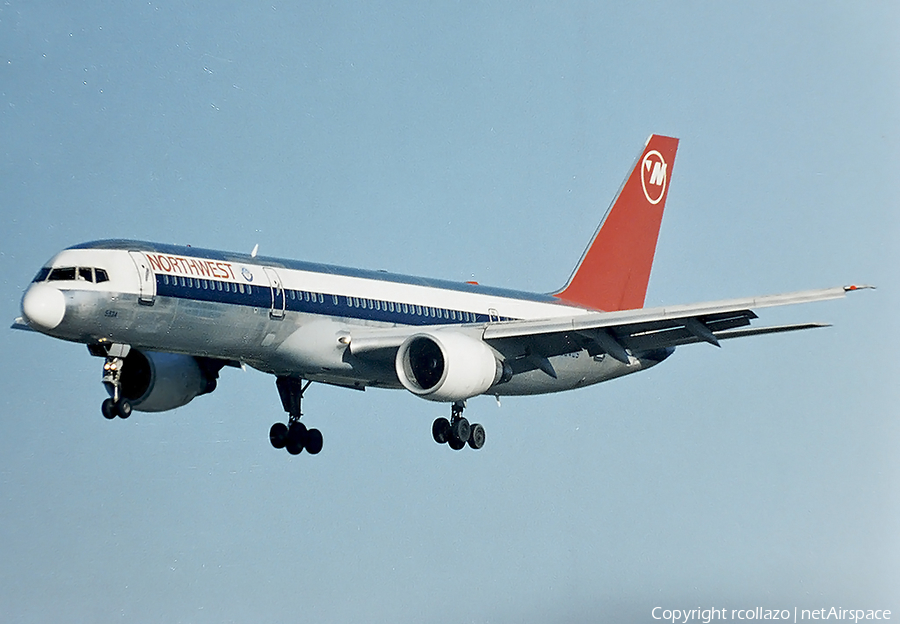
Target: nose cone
[(44, 306)]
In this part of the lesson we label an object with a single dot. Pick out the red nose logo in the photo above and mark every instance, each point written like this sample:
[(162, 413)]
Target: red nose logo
[(654, 176)]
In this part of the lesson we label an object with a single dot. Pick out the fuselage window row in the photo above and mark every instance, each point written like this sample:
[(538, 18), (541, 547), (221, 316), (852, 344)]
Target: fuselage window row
[(390, 306), (284, 297), (203, 284)]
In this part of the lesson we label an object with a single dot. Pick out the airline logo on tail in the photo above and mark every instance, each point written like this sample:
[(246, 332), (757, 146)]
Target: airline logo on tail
[(615, 269), (653, 176)]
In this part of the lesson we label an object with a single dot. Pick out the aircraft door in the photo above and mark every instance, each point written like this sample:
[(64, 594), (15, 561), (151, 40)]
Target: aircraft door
[(146, 277), (277, 289)]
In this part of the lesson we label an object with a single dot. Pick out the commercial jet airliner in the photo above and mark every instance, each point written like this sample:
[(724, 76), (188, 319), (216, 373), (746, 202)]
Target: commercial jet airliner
[(166, 319)]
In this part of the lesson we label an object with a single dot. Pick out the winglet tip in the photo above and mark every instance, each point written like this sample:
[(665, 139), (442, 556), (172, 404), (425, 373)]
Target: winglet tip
[(852, 287)]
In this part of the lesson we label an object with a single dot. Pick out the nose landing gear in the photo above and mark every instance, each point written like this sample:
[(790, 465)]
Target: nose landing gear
[(457, 432), (116, 405)]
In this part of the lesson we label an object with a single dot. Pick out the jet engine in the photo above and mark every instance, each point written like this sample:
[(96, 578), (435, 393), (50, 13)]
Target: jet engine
[(156, 382), (448, 366)]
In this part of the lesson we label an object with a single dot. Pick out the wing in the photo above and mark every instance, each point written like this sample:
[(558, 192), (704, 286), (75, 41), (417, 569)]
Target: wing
[(618, 333), (647, 329)]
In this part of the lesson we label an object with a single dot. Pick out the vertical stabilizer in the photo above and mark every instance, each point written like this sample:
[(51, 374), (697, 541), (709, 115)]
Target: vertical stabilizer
[(614, 271)]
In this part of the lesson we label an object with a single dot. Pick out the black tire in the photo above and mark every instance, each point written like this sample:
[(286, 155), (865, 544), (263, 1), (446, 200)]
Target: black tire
[(313, 441), (440, 430), (476, 437), (455, 444), (296, 438), (123, 409), (278, 435), (109, 409), (459, 431)]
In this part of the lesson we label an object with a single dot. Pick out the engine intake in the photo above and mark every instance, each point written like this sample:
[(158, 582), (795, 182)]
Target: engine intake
[(156, 382), (448, 366)]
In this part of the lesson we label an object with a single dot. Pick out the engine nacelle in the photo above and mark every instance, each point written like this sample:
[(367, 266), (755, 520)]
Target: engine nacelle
[(447, 366), (156, 382)]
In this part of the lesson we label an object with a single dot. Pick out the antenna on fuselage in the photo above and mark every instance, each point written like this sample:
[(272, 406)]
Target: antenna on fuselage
[(255, 249)]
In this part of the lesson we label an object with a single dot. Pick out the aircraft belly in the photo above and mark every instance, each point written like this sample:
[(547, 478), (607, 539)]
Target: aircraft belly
[(316, 349)]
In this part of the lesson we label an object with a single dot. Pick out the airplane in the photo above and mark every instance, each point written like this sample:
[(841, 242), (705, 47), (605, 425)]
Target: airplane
[(167, 319)]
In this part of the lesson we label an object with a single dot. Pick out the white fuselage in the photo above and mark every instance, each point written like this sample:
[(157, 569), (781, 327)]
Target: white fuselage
[(282, 317)]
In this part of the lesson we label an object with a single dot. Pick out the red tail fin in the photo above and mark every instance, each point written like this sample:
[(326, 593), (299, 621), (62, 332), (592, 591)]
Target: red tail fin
[(614, 271)]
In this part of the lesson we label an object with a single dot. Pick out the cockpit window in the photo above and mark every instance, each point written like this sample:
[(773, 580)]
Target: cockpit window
[(66, 274), (70, 274), (42, 275)]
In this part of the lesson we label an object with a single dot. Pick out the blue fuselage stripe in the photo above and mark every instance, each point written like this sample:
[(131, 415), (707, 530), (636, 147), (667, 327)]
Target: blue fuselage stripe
[(232, 293)]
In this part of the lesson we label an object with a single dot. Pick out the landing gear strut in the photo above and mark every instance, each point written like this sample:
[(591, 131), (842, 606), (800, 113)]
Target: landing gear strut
[(116, 405), (457, 432), (294, 436)]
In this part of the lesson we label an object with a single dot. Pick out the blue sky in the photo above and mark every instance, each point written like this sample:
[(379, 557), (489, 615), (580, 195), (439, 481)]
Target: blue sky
[(461, 141)]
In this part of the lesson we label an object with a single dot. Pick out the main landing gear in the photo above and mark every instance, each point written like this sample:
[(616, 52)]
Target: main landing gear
[(294, 436), (116, 405), (457, 432)]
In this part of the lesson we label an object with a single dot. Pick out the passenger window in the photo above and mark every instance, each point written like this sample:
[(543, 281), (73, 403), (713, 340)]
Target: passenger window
[(62, 275), (219, 286), (321, 298), (241, 288)]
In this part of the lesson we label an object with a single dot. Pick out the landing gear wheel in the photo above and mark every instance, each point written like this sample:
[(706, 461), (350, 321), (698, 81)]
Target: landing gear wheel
[(476, 437), (278, 435), (440, 430), (459, 431), (123, 409), (109, 409), (293, 448), (313, 441), (296, 438), (455, 444)]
